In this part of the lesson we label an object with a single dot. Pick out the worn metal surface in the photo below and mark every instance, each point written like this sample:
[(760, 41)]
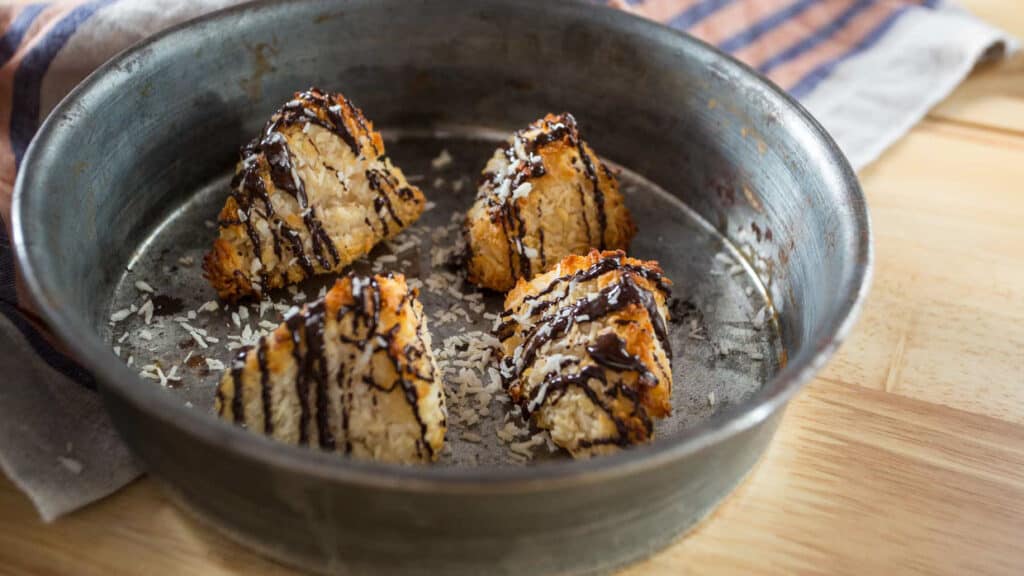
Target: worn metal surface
[(132, 163)]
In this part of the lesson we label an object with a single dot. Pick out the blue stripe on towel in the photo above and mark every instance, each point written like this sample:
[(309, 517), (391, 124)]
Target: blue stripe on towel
[(697, 12)]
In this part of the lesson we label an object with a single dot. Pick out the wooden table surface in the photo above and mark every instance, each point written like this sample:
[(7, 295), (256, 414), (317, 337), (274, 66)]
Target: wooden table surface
[(907, 452)]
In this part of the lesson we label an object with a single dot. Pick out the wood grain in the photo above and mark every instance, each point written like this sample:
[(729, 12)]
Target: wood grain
[(857, 481), (992, 100), (860, 482), (907, 455), (945, 319)]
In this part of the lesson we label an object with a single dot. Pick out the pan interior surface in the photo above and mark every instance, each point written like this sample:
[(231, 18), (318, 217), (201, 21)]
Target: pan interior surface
[(725, 341)]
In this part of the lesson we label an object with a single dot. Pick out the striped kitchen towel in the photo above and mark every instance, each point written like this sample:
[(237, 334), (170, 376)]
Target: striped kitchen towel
[(867, 69)]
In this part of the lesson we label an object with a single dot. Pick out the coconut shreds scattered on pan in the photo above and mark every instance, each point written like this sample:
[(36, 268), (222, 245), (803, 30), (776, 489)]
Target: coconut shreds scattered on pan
[(467, 360), (472, 383)]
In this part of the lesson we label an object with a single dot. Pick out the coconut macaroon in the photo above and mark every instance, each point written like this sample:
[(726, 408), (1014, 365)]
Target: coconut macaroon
[(351, 373), (586, 352), (544, 195), (313, 192)]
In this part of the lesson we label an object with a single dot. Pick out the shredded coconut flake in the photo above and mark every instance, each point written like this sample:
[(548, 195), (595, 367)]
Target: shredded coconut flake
[(443, 160), (173, 374), (199, 339), (522, 190), (70, 464), (759, 318), (146, 311)]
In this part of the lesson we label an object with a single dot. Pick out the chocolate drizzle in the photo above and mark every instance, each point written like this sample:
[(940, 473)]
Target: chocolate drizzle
[(608, 263), (555, 386), (286, 178), (602, 218), (367, 310), (316, 107), (540, 237), (375, 178), (529, 166), (250, 181), (583, 211), (610, 351), (294, 322), (316, 356), (261, 359), (238, 400), (612, 298)]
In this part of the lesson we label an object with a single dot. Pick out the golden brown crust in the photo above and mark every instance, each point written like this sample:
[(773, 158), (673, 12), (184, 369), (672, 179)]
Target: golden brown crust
[(586, 353), (351, 373), (545, 195), (312, 193)]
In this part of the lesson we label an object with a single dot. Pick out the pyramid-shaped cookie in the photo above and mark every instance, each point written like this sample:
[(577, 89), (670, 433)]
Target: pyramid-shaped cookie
[(586, 351), (351, 373), (544, 195), (313, 192)]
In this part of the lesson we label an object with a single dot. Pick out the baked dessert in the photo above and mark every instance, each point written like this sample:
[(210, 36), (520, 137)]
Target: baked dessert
[(313, 192), (352, 372), (544, 195), (586, 352)]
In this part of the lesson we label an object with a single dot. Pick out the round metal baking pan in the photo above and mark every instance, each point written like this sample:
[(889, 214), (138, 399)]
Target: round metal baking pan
[(737, 191)]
